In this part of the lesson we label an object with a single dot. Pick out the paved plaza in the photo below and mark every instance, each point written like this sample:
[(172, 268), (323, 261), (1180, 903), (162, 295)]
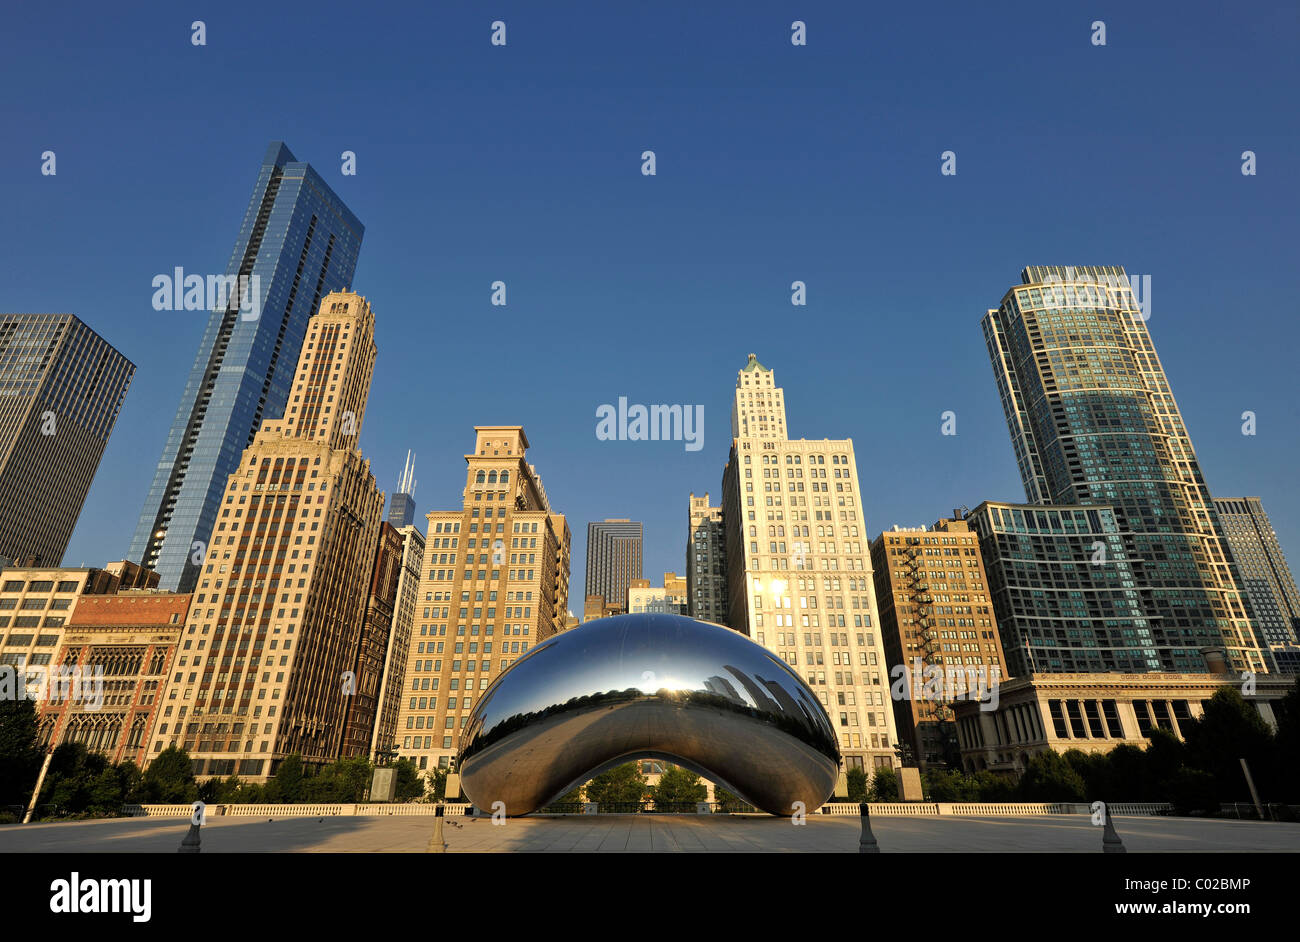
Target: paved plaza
[(651, 834)]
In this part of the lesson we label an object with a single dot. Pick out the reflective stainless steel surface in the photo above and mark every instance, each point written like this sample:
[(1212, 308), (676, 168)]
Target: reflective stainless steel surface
[(662, 686)]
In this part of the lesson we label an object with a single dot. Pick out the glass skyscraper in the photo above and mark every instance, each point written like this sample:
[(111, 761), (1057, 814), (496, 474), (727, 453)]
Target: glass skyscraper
[(300, 242), (1094, 423), (1265, 575), (61, 389)]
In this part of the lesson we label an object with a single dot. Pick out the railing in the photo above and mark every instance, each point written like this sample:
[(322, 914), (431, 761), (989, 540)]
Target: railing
[(990, 809), (1273, 811), (909, 809), (648, 807), (300, 810)]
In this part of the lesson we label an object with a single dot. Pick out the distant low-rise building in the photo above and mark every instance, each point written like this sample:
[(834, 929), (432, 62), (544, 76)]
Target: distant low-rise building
[(1092, 712), (668, 598)]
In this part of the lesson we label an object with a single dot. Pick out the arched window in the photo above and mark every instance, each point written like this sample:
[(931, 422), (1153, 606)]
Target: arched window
[(480, 478), (492, 477), (505, 477)]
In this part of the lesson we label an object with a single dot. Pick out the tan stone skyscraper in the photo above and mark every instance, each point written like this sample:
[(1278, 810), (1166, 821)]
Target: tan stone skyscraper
[(496, 582), (799, 567), (280, 603)]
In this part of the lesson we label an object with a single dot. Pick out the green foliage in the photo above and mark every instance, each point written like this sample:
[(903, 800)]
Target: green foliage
[(223, 791), (437, 784), (409, 784), (83, 783), (856, 779), (1287, 744), (289, 783), (169, 779), (678, 787), (20, 759), (884, 785), (347, 780), (1190, 790), (1231, 730), (1093, 768), (623, 784), (726, 800), (949, 785), (1050, 778)]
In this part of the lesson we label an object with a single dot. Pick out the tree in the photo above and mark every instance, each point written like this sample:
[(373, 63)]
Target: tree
[(347, 780), (856, 778), (679, 787), (1050, 778), (990, 786), (1287, 744), (726, 800), (80, 782), (1229, 730), (884, 784), (20, 759), (572, 797), (288, 784), (1093, 769), (945, 785), (438, 784), (408, 785), (623, 784), (222, 791), (169, 779)]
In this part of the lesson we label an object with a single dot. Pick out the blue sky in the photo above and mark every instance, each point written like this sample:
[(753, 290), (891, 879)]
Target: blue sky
[(775, 163)]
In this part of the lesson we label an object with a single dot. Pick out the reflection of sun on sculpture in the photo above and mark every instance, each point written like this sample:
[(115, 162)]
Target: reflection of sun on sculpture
[(649, 686)]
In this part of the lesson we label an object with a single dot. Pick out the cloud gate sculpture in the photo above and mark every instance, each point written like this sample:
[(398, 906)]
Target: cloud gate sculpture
[(649, 686)]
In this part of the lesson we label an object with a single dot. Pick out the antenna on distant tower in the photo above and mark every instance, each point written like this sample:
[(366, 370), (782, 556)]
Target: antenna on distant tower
[(407, 483)]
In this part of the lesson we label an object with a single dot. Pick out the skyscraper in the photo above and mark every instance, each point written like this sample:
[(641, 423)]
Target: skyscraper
[(371, 656), (399, 642), (496, 583), (799, 567), (401, 510), (1265, 576), (935, 612), (613, 560), (1093, 422), (706, 561), (279, 609), (61, 388), (300, 242)]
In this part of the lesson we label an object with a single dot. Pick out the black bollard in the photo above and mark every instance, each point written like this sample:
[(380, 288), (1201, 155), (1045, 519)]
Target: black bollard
[(191, 843), (1110, 841), (867, 843)]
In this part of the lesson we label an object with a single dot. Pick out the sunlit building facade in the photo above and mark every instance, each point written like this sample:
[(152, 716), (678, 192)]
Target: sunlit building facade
[(495, 583), (799, 566), (267, 664)]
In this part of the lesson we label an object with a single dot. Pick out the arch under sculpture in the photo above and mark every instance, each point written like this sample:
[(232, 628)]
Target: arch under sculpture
[(649, 686)]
